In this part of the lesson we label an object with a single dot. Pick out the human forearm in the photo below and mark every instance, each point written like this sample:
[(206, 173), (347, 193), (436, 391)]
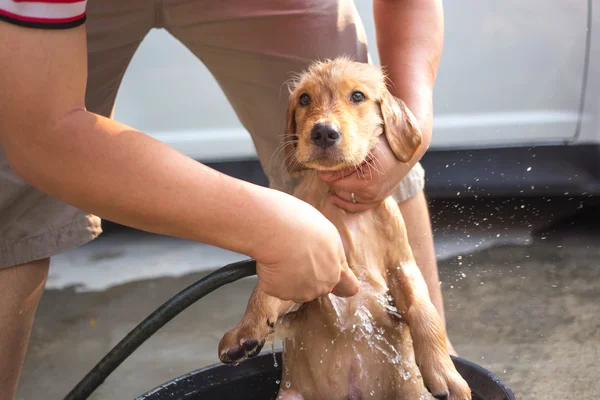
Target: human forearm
[(111, 170), (410, 35)]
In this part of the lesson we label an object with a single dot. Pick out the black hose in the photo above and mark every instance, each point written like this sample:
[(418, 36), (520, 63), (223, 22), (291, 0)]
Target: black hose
[(159, 318)]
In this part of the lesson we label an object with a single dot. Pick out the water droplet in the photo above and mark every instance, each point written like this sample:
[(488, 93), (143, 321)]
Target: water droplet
[(274, 356)]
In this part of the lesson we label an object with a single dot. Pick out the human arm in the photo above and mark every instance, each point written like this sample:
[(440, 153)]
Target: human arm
[(410, 49), (410, 37), (118, 173)]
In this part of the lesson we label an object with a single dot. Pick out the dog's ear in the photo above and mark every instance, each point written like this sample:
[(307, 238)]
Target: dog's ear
[(401, 129), (290, 140)]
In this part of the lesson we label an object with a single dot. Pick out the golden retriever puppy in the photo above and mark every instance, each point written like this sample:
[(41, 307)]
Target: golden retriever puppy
[(388, 341)]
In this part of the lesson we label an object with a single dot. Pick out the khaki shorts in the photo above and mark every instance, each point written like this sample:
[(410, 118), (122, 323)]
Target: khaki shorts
[(250, 46)]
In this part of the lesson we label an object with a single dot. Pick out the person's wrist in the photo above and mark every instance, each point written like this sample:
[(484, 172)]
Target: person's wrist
[(261, 236), (251, 217)]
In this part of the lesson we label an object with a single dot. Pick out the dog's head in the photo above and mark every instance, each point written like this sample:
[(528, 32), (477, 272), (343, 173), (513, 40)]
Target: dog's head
[(337, 111)]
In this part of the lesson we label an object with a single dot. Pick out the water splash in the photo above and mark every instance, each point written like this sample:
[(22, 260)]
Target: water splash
[(367, 330), (340, 305), (274, 356), (386, 301), (353, 314), (285, 363)]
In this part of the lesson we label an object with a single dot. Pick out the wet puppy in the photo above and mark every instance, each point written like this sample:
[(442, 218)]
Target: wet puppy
[(387, 342)]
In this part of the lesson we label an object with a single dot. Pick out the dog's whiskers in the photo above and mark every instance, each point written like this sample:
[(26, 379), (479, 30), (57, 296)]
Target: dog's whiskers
[(372, 166), (281, 147), (310, 182)]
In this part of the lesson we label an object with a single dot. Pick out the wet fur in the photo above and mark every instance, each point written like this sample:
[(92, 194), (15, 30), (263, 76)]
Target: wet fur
[(388, 341)]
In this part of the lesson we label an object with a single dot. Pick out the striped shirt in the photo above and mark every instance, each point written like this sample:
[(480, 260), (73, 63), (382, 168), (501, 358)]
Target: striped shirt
[(45, 14)]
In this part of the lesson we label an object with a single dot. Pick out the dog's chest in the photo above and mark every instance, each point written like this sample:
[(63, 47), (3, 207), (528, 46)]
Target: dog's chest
[(367, 236), (343, 347)]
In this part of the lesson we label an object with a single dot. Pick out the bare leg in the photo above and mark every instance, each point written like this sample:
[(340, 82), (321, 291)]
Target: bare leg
[(418, 225), (20, 290), (248, 337)]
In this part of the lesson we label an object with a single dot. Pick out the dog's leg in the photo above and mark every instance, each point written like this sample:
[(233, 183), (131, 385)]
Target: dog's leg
[(409, 290), (248, 337)]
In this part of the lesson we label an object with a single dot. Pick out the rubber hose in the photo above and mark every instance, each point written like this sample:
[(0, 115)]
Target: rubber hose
[(159, 318)]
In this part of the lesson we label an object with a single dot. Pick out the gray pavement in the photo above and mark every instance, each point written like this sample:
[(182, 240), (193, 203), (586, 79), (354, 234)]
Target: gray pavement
[(521, 296)]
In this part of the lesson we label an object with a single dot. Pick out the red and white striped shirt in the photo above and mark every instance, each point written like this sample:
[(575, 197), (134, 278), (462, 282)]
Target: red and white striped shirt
[(46, 14)]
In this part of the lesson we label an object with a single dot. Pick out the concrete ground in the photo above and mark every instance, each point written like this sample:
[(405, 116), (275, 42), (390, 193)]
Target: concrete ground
[(521, 296)]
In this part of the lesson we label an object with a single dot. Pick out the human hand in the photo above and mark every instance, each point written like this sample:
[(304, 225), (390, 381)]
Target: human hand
[(303, 257), (371, 183)]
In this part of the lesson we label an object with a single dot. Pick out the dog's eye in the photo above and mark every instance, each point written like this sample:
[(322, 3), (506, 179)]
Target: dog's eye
[(304, 99), (357, 97)]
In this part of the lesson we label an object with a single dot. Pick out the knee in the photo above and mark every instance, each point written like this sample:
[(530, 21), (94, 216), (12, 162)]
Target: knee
[(25, 282), (36, 271)]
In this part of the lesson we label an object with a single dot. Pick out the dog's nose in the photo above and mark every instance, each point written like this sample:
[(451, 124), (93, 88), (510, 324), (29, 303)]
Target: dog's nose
[(324, 135)]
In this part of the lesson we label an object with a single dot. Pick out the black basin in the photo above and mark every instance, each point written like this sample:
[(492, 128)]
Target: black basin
[(256, 379)]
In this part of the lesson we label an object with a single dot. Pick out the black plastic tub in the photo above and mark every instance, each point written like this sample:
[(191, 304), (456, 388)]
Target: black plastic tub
[(256, 379)]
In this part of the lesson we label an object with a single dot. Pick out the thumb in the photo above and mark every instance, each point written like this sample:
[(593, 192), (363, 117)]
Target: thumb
[(348, 284)]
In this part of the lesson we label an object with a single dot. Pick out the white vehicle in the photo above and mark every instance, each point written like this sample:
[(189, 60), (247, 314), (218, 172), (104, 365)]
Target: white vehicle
[(516, 101)]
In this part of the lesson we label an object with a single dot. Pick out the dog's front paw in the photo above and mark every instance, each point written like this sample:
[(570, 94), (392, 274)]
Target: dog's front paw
[(443, 380), (244, 341)]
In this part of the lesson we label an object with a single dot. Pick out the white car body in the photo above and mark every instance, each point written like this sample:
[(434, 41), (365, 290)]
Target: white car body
[(513, 74)]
